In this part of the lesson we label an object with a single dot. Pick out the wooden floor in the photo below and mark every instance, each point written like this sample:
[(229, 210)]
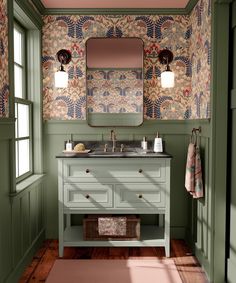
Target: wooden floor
[(187, 265)]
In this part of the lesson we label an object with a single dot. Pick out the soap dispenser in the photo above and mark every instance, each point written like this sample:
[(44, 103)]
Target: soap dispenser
[(69, 145), (158, 144), (144, 143)]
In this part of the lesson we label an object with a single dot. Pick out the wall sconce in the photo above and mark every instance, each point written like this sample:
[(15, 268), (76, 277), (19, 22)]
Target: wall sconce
[(61, 76), (167, 77)]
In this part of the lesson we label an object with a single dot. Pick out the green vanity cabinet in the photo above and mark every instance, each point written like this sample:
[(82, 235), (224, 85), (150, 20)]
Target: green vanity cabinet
[(138, 185)]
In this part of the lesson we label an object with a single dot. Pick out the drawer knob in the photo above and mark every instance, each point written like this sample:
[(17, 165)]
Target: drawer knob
[(87, 170), (87, 196), (140, 171), (140, 196)]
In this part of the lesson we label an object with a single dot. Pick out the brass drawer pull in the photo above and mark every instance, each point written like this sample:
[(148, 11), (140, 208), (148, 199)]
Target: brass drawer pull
[(140, 196), (140, 171), (87, 170), (87, 196)]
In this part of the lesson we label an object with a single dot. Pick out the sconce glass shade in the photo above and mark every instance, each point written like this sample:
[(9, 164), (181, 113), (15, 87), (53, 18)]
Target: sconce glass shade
[(61, 76), (167, 79), (61, 79)]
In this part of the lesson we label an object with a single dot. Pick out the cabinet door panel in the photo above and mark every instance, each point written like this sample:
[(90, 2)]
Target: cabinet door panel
[(140, 195), (88, 196)]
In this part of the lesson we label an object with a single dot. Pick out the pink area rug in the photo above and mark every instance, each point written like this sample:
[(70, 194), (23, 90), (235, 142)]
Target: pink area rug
[(114, 271)]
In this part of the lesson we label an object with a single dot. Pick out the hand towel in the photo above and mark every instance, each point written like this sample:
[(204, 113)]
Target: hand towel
[(193, 174), (190, 168), (198, 188), (112, 226)]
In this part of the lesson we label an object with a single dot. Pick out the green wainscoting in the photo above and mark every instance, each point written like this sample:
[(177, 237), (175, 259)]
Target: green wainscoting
[(21, 214), (232, 155), (186, 214)]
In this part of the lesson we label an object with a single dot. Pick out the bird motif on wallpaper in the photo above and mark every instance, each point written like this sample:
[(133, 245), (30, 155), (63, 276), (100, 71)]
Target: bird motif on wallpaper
[(151, 72), (74, 108), (90, 91), (114, 32), (75, 72), (106, 74), (106, 108), (182, 60), (153, 108), (138, 108), (154, 28), (138, 74), (122, 91), (74, 28), (4, 92)]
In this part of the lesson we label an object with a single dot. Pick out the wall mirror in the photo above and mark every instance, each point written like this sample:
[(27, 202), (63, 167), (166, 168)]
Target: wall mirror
[(114, 81)]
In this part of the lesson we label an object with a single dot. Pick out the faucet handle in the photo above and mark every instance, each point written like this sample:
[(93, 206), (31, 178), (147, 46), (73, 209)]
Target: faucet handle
[(105, 147), (122, 147)]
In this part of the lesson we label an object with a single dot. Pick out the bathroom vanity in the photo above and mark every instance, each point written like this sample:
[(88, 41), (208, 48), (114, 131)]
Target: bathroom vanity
[(114, 183)]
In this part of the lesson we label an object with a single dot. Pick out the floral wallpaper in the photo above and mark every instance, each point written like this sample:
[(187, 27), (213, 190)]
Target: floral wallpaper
[(4, 80), (200, 57), (189, 99), (115, 91)]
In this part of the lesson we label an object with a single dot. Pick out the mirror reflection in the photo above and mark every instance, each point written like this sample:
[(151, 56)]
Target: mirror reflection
[(114, 69)]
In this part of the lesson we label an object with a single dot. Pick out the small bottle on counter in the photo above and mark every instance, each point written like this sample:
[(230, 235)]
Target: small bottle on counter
[(158, 144), (144, 143), (69, 145)]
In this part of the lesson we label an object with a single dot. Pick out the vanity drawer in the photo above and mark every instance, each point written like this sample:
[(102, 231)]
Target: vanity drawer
[(116, 169), (88, 196), (139, 195)]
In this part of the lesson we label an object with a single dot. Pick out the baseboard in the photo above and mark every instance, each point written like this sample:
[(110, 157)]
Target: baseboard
[(178, 232), (26, 259), (204, 262)]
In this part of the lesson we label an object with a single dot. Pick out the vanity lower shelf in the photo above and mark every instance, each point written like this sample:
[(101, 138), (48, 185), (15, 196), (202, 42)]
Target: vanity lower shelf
[(151, 236)]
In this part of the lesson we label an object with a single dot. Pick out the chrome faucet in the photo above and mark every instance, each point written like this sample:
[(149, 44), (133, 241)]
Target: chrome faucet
[(113, 138)]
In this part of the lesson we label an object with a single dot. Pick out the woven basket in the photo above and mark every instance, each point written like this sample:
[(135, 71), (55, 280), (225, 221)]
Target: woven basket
[(90, 228)]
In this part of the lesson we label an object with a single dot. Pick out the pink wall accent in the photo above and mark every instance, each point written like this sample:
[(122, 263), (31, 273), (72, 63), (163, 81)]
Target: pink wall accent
[(114, 53), (114, 4)]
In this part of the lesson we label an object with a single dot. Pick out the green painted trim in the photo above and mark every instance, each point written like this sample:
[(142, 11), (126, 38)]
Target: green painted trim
[(39, 6), (191, 4), (27, 9), (19, 269), (27, 184), (149, 127), (114, 11), (218, 152)]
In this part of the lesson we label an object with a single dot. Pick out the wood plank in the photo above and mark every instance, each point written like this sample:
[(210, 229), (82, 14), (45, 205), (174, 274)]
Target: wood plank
[(186, 263)]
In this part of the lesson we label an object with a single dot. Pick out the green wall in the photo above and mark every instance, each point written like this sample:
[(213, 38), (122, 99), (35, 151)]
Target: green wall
[(176, 135), (21, 214), (232, 154)]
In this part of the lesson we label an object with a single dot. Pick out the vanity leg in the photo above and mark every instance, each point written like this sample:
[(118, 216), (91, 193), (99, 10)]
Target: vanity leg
[(60, 210)]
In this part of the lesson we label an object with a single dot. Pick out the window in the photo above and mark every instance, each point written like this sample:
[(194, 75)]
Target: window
[(23, 107)]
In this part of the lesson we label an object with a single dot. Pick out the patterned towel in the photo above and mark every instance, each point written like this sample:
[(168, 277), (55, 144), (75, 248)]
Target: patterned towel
[(190, 168), (193, 174), (112, 226)]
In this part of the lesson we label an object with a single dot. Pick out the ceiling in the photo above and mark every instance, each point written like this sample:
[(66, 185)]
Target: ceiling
[(115, 4)]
